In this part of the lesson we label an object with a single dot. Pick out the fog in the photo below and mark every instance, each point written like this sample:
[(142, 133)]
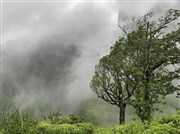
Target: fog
[(49, 49)]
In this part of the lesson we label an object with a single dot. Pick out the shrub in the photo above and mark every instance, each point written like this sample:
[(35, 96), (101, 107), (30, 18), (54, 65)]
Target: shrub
[(72, 119), (79, 128), (87, 128), (132, 127), (1, 131), (162, 129), (57, 118), (104, 131), (164, 125), (16, 123), (173, 120)]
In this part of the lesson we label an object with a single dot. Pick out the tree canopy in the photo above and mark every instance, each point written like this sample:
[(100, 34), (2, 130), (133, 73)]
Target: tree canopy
[(140, 70)]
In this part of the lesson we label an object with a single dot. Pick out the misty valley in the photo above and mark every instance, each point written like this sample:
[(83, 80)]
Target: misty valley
[(69, 68)]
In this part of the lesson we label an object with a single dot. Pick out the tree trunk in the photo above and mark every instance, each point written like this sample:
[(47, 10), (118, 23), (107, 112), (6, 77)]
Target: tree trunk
[(122, 109)]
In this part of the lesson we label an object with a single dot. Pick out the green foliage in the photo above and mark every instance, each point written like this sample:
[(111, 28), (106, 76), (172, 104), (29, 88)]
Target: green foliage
[(162, 129), (57, 118), (1, 131), (73, 119), (133, 127), (104, 131), (5, 108), (165, 124), (162, 125), (79, 128), (18, 123), (136, 72)]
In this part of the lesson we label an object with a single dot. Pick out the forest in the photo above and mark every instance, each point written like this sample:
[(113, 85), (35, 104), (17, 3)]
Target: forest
[(132, 86)]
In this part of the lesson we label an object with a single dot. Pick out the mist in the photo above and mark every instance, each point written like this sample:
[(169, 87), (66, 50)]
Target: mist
[(49, 50)]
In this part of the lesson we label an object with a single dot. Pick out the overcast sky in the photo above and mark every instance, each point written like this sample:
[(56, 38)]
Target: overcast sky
[(59, 43)]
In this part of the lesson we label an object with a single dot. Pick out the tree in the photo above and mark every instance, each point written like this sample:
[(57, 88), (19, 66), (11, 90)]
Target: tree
[(137, 70)]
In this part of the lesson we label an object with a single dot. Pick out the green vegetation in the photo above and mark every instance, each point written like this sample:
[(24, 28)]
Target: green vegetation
[(139, 71), (161, 125), (57, 118), (17, 123), (78, 128), (25, 124)]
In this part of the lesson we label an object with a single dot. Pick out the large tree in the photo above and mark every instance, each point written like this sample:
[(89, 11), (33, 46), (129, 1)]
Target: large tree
[(141, 67)]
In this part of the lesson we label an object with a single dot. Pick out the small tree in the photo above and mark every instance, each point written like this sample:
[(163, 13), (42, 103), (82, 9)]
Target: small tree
[(136, 72)]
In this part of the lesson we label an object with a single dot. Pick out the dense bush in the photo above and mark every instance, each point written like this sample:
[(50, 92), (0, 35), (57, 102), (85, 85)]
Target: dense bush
[(79, 128), (161, 125), (104, 131), (22, 123), (132, 127), (16, 123), (164, 125), (162, 129)]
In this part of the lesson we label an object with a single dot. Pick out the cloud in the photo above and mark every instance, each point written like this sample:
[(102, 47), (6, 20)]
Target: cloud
[(50, 49)]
